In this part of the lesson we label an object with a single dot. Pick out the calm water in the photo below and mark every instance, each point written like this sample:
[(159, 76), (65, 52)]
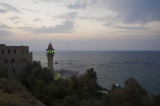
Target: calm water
[(112, 67)]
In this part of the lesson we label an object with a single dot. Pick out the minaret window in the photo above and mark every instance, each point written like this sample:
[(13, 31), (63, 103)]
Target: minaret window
[(50, 51)]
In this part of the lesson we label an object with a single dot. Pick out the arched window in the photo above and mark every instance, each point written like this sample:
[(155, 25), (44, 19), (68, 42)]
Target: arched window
[(8, 51), (23, 51)]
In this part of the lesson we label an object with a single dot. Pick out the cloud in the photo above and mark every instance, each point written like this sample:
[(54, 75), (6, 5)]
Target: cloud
[(3, 11), (110, 24), (9, 7), (81, 4), (5, 33), (77, 6), (5, 26), (74, 4), (131, 28), (107, 17), (37, 20), (68, 16), (14, 18), (51, 0), (135, 11), (30, 10), (66, 27)]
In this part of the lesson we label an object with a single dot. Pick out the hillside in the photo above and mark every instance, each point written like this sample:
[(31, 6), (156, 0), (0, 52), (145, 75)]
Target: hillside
[(12, 93)]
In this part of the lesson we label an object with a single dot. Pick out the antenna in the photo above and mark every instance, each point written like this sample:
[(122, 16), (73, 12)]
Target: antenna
[(50, 41), (21, 43)]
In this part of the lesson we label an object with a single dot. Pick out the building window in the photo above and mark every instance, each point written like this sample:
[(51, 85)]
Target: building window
[(26, 51), (22, 51), (12, 60), (5, 60), (2, 51), (8, 51), (14, 70), (14, 51)]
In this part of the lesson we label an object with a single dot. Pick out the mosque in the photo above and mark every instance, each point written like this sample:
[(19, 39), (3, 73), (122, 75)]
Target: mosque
[(14, 59), (50, 56)]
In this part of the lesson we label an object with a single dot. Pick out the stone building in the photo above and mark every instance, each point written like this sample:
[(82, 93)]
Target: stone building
[(14, 59)]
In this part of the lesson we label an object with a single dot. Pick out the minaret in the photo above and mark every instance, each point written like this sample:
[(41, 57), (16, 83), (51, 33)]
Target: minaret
[(50, 54)]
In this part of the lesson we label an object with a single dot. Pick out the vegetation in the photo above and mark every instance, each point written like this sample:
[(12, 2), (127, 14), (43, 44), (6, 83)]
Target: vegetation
[(82, 90), (12, 93)]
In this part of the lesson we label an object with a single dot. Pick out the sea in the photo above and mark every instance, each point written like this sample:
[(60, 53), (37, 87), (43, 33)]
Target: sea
[(112, 67)]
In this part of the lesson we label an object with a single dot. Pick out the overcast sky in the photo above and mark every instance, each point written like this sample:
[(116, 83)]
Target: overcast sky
[(81, 24)]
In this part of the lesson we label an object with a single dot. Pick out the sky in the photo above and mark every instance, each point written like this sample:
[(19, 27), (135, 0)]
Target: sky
[(81, 25)]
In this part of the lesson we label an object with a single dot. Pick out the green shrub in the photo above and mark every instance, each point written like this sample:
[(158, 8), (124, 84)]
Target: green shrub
[(71, 100)]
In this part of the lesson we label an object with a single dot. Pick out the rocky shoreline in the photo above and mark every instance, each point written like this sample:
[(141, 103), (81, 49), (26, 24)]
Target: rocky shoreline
[(66, 73)]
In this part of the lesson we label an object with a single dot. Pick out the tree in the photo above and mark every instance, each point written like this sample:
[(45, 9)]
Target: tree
[(64, 87), (71, 100), (39, 90), (31, 66), (52, 93), (42, 74), (157, 100), (116, 95), (133, 93), (91, 73), (85, 85)]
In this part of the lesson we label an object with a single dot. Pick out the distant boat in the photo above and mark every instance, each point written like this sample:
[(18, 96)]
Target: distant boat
[(56, 62), (125, 61)]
